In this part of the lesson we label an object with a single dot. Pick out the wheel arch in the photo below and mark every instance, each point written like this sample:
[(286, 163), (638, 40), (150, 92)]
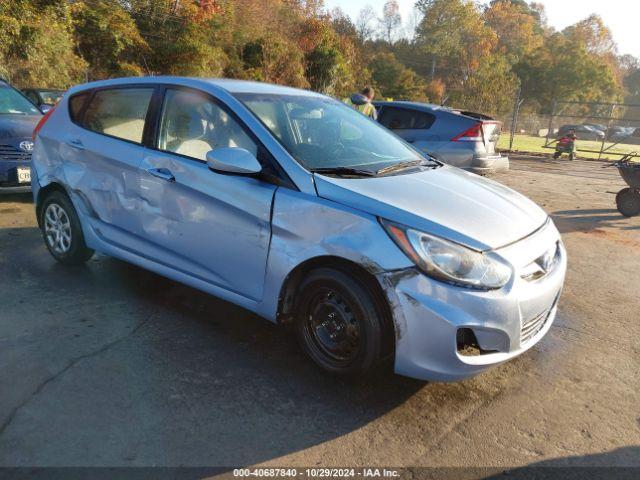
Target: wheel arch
[(346, 266), (43, 192)]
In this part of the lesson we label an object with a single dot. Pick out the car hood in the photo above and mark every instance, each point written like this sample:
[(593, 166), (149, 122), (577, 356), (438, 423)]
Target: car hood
[(17, 126), (447, 202)]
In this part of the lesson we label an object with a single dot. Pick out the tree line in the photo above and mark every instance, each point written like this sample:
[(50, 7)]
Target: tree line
[(448, 50)]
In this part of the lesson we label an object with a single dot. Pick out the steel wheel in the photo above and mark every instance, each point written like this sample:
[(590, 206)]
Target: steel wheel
[(57, 229), (333, 326), (339, 321)]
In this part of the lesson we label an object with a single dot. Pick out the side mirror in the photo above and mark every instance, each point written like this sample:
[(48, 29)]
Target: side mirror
[(44, 108), (233, 160)]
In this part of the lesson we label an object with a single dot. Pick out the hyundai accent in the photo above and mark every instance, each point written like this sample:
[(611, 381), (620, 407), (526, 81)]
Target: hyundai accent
[(296, 207)]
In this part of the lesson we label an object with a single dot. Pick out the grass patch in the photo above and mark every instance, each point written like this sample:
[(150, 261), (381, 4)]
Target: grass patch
[(528, 143)]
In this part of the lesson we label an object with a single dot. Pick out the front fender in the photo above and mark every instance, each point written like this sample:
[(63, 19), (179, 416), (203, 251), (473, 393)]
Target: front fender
[(306, 226)]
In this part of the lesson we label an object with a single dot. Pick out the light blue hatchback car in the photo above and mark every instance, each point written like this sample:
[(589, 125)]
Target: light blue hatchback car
[(302, 210)]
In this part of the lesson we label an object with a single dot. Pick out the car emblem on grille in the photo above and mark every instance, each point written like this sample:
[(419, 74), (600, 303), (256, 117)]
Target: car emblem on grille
[(547, 260), (27, 146)]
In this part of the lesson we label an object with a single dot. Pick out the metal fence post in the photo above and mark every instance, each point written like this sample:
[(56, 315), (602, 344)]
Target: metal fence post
[(611, 109), (514, 119), (553, 114)]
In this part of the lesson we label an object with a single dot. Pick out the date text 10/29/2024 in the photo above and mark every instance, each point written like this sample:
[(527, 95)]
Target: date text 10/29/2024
[(317, 472)]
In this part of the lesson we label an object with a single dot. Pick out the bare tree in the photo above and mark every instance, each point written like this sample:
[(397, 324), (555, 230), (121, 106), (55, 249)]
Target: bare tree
[(411, 25), (365, 23), (390, 21)]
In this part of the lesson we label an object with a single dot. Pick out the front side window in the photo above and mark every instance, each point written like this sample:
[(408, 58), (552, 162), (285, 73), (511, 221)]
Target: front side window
[(405, 119), (120, 112), (192, 125), (11, 102), (320, 132)]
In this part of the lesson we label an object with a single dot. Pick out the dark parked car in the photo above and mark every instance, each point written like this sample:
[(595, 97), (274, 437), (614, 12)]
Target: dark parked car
[(596, 126), (18, 118), (43, 98), (629, 135), (583, 132), (462, 139)]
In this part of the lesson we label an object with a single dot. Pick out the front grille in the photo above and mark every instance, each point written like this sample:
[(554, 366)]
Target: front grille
[(8, 152), (533, 326)]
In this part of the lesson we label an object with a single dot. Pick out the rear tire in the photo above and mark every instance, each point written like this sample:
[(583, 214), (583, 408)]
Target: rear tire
[(339, 323), (628, 202), (61, 230), (556, 155)]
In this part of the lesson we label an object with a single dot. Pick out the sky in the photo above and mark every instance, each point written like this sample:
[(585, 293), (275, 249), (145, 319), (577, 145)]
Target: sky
[(621, 16)]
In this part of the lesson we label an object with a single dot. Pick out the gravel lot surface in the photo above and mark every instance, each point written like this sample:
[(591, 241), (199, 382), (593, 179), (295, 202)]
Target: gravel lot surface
[(109, 365)]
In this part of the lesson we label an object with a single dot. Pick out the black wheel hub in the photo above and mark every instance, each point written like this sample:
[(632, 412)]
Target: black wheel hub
[(333, 326)]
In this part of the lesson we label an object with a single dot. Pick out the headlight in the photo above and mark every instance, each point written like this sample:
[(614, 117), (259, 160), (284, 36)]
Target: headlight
[(448, 261)]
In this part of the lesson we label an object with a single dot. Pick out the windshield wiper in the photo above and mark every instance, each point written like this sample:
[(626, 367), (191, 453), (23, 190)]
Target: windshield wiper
[(344, 171), (404, 165)]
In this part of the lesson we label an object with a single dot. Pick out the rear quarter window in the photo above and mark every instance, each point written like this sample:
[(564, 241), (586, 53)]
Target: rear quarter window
[(118, 113), (395, 118), (76, 103)]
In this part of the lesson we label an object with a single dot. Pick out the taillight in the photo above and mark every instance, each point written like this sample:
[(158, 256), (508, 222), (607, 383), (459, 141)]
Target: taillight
[(473, 134), (41, 123)]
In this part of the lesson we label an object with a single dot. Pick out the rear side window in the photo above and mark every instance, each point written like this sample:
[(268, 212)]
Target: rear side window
[(75, 105), (396, 118), (118, 113)]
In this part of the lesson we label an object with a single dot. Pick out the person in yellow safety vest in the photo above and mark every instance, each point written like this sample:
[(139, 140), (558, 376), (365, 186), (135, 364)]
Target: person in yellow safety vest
[(362, 102)]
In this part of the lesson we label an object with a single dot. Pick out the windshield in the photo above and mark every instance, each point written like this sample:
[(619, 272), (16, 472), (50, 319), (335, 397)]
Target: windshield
[(50, 97), (13, 103), (322, 133)]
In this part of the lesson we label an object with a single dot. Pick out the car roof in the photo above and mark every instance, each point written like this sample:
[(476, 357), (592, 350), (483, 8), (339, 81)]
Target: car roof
[(229, 85), (418, 105)]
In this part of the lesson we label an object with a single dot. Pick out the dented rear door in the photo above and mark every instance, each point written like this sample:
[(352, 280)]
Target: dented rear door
[(102, 158)]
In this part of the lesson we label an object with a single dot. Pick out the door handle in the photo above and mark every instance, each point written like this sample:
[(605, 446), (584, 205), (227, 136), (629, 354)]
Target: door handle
[(163, 173), (75, 143), (411, 140)]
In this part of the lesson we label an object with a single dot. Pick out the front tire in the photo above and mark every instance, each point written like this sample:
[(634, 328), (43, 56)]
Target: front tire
[(61, 230), (339, 323)]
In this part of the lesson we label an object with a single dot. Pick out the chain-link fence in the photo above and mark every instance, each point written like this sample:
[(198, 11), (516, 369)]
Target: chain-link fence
[(604, 130)]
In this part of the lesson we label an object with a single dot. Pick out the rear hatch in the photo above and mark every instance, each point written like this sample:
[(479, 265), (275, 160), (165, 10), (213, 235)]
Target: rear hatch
[(491, 133), (486, 130)]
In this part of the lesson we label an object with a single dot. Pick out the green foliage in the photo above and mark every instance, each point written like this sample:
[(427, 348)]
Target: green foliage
[(474, 53), (454, 32), (108, 39), (324, 65), (37, 45), (393, 80), (490, 89), (563, 69)]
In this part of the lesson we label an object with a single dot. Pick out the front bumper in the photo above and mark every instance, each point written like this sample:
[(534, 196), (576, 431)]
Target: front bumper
[(428, 314), (19, 189), (9, 182)]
